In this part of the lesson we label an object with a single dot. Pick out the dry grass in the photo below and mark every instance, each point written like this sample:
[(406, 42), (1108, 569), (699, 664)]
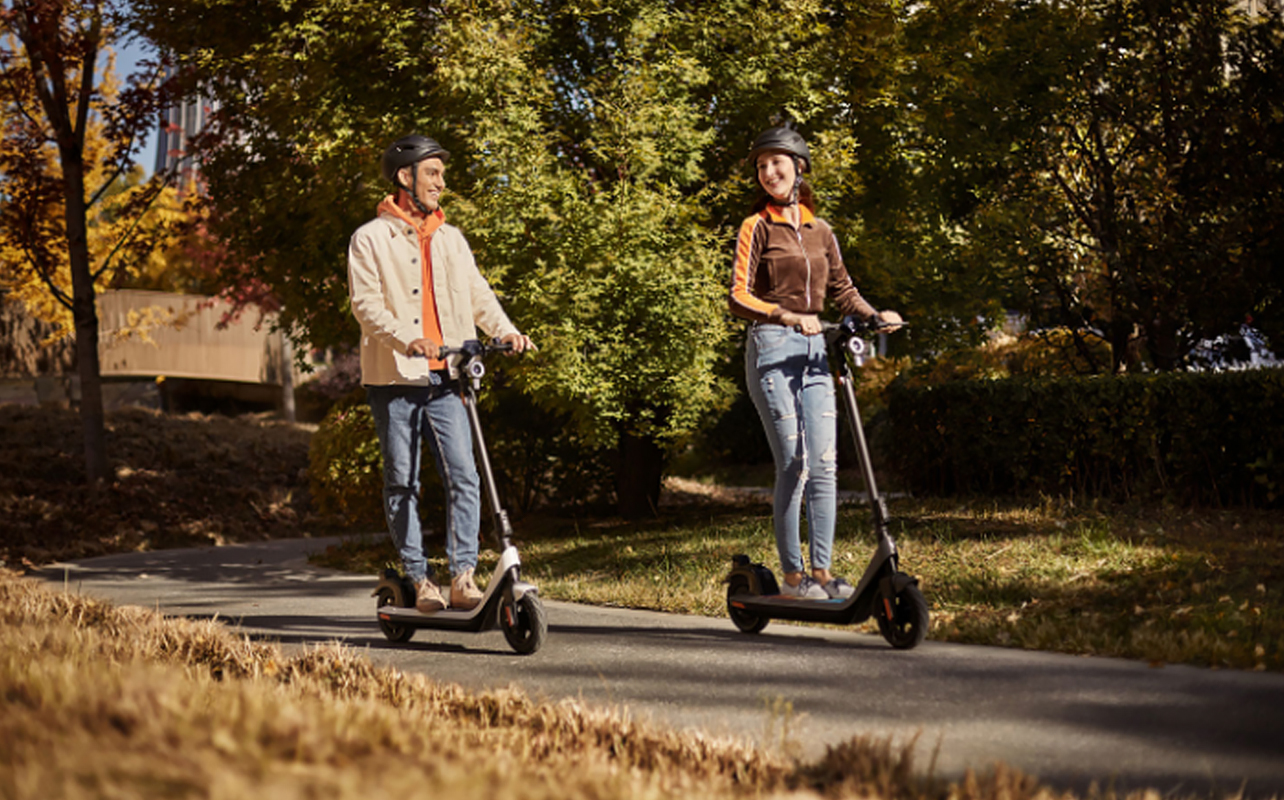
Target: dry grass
[(120, 702), (105, 701)]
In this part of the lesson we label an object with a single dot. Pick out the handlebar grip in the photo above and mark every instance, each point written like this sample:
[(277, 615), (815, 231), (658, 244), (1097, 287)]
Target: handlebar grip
[(474, 348)]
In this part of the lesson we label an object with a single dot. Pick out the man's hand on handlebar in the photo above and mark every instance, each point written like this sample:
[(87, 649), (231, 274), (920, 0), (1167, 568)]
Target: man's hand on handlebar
[(519, 342), (422, 347)]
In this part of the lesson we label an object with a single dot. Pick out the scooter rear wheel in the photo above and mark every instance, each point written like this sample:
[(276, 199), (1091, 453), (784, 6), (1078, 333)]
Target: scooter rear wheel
[(389, 596), (524, 623), (746, 621), (908, 625)]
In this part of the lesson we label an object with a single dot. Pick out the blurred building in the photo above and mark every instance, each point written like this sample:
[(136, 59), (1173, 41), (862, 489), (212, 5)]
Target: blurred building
[(182, 122)]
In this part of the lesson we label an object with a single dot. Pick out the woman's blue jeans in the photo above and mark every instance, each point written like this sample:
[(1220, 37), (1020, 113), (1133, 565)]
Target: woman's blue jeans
[(789, 381), (406, 418)]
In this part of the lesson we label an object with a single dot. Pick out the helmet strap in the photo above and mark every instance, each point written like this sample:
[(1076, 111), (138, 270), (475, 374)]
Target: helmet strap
[(798, 179), (414, 189)]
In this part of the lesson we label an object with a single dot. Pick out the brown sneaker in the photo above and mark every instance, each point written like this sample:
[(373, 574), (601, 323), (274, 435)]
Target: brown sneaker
[(464, 593), (428, 597)]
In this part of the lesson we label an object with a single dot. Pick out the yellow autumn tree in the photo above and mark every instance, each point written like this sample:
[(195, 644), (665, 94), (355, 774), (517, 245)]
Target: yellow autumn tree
[(75, 215)]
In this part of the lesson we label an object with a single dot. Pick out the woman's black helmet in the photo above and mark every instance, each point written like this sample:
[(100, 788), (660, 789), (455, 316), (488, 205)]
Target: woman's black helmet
[(408, 151), (781, 139), (784, 139)]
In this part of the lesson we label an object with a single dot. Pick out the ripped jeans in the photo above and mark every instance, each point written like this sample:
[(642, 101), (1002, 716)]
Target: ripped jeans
[(790, 384)]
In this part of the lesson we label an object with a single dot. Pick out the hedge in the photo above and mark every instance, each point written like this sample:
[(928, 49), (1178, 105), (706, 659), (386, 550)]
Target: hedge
[(1201, 438)]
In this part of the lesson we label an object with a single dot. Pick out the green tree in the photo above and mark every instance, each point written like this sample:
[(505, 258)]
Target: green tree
[(1115, 163), (577, 180)]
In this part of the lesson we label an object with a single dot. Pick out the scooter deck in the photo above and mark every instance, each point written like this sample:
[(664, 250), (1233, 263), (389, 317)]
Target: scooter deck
[(841, 611), (446, 619)]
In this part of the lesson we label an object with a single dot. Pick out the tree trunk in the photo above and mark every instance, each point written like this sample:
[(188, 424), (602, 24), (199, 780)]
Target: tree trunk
[(1164, 344), (637, 477), (85, 313), (287, 377), (1120, 333)]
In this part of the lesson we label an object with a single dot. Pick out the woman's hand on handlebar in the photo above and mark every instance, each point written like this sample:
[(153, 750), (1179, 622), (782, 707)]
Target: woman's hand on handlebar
[(890, 320), (808, 324), (519, 343)]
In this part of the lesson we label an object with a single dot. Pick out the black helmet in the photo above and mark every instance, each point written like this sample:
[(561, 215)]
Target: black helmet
[(783, 139), (407, 151)]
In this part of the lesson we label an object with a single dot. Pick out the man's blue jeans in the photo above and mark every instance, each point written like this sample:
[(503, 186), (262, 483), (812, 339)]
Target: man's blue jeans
[(790, 384), (406, 418)]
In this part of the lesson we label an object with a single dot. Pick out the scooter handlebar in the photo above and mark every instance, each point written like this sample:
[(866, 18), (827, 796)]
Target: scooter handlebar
[(475, 348), (471, 353), (853, 325)]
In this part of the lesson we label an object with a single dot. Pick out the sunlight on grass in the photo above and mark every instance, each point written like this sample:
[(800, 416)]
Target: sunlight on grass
[(1164, 585), (1140, 583)]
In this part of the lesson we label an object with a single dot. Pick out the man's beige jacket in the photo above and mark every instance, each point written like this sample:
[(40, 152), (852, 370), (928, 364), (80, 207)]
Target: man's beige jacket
[(385, 281)]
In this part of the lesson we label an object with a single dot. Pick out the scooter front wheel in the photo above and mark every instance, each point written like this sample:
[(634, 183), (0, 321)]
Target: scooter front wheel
[(903, 618), (746, 621), (389, 596), (524, 623)]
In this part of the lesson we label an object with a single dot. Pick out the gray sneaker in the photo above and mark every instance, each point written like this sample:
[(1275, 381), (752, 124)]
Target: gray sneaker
[(839, 589), (807, 589)]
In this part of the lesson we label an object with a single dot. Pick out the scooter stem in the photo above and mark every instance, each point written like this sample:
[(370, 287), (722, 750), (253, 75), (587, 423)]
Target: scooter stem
[(878, 507), (503, 530)]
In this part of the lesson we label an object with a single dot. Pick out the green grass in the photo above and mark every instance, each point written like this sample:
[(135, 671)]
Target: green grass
[(1161, 584)]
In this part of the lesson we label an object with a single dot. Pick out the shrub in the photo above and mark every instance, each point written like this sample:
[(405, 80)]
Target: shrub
[(1198, 437), (536, 456), (345, 468)]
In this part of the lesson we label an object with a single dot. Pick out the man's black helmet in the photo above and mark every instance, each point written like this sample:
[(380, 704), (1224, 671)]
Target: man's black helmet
[(407, 151), (783, 139)]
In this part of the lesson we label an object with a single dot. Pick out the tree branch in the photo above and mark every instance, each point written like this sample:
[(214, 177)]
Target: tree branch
[(129, 234), (88, 71), (63, 299)]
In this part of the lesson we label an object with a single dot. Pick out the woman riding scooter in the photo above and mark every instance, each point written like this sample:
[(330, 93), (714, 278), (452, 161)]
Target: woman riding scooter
[(787, 262)]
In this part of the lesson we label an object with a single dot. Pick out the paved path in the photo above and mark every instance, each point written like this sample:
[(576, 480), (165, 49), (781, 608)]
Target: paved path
[(1067, 719)]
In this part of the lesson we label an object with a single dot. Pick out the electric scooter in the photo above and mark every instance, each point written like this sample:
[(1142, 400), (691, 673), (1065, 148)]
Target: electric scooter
[(884, 592), (509, 602)]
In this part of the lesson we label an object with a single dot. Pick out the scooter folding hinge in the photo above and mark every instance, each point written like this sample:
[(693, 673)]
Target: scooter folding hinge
[(902, 581), (521, 588), (880, 509)]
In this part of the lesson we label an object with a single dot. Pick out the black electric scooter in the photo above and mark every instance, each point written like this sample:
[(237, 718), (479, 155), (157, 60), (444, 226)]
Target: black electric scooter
[(884, 592), (509, 602)]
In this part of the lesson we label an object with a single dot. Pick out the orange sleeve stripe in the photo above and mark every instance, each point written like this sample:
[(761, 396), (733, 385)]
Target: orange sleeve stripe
[(743, 301)]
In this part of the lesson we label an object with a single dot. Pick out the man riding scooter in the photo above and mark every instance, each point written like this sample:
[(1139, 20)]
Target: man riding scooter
[(416, 289)]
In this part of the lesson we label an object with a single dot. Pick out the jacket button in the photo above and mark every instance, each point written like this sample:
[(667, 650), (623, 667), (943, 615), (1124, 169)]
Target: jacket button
[(414, 261), (416, 322), (414, 291)]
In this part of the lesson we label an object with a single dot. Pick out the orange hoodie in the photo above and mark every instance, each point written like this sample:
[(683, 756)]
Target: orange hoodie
[(426, 226)]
